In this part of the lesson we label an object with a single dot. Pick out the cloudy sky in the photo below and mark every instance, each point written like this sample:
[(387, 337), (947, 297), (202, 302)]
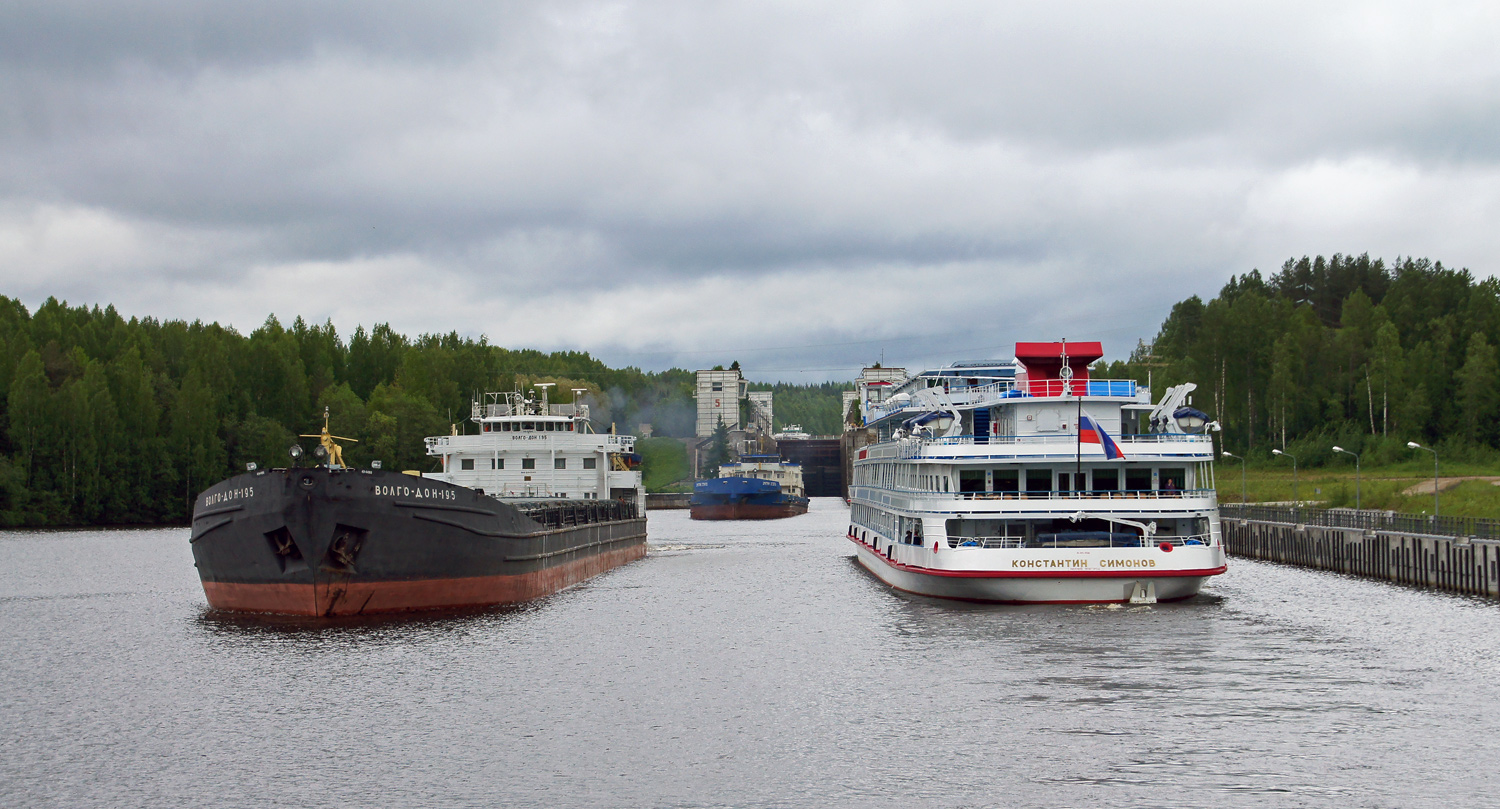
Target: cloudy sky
[(803, 187)]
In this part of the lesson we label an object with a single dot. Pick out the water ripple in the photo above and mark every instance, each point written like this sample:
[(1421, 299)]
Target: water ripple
[(738, 664)]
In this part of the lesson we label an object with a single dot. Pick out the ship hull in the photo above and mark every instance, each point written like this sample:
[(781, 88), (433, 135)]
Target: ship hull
[(748, 511), (329, 542), (743, 498), (1038, 586)]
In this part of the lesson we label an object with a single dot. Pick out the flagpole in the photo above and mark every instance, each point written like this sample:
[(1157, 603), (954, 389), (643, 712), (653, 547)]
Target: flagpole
[(1068, 387), (1078, 445)]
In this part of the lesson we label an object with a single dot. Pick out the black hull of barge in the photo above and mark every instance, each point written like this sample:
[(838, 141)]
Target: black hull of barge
[(324, 542)]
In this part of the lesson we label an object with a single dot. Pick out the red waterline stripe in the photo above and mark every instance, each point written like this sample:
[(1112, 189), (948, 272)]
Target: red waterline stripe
[(1123, 573)]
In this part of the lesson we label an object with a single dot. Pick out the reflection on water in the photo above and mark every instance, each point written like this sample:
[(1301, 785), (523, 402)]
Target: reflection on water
[(355, 626), (739, 664)]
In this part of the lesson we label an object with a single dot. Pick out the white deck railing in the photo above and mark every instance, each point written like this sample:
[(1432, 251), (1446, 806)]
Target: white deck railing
[(1068, 438), (1102, 496), (910, 448), (963, 543), (1006, 391), (1133, 494)]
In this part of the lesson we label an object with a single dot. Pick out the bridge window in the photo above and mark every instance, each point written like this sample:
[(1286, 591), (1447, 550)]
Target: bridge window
[(1071, 481), (1039, 480), (1173, 478), (528, 426), (971, 480), (1007, 480)]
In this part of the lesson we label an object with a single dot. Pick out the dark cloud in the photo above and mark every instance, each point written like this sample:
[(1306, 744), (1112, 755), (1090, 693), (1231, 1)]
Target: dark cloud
[(1000, 165), (73, 38)]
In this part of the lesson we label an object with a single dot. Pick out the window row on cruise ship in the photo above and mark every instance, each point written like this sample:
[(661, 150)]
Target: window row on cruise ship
[(1029, 479)]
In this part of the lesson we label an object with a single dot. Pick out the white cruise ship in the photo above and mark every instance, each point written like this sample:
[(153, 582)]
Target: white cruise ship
[(525, 447), (1027, 481)]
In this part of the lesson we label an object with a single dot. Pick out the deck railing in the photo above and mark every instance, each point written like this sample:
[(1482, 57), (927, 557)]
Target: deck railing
[(1092, 387), (909, 448), (1114, 540), (998, 391), (1065, 438), (502, 410), (574, 512), (434, 443), (1366, 520), (1105, 494)]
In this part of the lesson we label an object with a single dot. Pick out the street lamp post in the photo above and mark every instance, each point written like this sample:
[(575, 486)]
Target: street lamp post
[(1296, 498), (1356, 473), (1415, 445), (1228, 454)]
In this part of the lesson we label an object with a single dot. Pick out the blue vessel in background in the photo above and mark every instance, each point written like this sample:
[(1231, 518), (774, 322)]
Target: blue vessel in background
[(757, 487)]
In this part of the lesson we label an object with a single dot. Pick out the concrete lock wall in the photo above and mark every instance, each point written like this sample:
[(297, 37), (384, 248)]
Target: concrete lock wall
[(1454, 564), (667, 500)]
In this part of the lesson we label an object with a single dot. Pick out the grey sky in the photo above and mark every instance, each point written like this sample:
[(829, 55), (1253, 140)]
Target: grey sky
[(798, 187)]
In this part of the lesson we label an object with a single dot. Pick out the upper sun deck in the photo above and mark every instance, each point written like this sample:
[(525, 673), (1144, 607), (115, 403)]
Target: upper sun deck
[(516, 407), (963, 396), (513, 416), (1040, 371), (1040, 405), (516, 412)]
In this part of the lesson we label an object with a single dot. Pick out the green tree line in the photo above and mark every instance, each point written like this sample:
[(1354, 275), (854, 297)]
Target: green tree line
[(109, 420), (814, 407), (1344, 350)]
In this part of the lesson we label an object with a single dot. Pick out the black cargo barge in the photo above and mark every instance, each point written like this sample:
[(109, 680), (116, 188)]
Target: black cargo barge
[(337, 541)]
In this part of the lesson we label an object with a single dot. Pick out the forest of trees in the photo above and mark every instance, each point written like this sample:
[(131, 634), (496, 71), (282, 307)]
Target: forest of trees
[(814, 407), (109, 420), (115, 421), (1342, 350)]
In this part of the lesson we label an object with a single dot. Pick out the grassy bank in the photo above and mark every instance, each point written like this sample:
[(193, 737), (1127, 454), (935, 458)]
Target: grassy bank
[(664, 462), (1379, 488)]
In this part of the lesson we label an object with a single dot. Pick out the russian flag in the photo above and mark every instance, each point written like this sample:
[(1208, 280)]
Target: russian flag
[(1089, 432)]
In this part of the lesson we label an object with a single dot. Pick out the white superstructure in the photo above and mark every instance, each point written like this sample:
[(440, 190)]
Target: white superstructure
[(767, 467), (526, 447), (982, 486)]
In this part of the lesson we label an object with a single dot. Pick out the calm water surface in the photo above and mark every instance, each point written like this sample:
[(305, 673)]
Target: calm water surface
[(739, 664)]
